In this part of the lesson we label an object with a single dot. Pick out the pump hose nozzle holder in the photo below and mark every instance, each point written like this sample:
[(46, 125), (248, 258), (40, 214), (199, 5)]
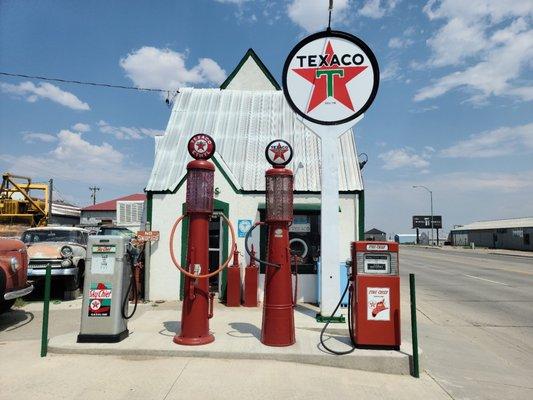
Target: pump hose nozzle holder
[(249, 252)]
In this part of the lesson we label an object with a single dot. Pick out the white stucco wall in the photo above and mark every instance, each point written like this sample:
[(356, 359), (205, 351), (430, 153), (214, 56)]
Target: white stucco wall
[(250, 77), (163, 277)]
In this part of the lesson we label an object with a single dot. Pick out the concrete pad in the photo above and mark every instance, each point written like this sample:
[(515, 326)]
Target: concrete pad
[(237, 334)]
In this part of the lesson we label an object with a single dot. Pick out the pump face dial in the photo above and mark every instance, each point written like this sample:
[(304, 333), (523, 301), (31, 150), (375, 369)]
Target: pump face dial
[(278, 152), (201, 146)]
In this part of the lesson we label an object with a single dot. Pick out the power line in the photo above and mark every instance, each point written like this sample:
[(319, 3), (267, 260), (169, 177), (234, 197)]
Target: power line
[(107, 85)]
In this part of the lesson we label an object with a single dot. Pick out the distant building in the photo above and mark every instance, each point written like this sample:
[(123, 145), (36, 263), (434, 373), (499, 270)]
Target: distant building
[(125, 211), (65, 214), (375, 234), (512, 234), (405, 238)]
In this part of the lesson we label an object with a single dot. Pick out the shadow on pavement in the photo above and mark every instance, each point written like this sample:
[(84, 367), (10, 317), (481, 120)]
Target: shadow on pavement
[(14, 319), (244, 329)]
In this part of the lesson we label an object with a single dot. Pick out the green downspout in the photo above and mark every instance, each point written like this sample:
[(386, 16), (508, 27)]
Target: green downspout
[(361, 214)]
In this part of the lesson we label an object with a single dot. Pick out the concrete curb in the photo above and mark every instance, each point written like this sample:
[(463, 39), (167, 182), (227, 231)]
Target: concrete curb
[(383, 361)]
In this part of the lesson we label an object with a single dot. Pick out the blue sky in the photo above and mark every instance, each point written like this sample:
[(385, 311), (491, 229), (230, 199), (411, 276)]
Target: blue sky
[(453, 111)]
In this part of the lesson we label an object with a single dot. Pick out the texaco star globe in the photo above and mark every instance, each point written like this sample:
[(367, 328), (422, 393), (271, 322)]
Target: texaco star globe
[(278, 153), (330, 78), (201, 146)]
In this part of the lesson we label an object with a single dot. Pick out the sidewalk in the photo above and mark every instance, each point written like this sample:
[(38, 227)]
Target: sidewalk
[(237, 337), (83, 377)]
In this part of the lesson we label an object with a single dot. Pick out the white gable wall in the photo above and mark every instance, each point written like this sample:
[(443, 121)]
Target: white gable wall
[(250, 77)]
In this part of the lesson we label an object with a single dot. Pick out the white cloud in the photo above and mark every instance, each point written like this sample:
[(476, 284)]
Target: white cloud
[(151, 67), (400, 43), (313, 15), (491, 44), (80, 127), (391, 71), (377, 8), (34, 137), (75, 159), (405, 157), (126, 133), (497, 142), (32, 93)]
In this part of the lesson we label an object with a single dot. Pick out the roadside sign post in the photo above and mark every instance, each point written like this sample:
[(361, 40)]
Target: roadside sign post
[(330, 79)]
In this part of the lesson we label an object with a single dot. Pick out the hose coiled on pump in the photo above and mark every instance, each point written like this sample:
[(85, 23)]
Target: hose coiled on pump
[(132, 286)]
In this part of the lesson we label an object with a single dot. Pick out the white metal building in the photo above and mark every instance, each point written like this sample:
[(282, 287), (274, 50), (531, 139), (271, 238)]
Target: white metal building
[(513, 234), (243, 116)]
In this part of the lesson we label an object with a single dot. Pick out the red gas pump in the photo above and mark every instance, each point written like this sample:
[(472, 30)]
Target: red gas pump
[(376, 303), (278, 314), (251, 275), (233, 282), (374, 297), (198, 302)]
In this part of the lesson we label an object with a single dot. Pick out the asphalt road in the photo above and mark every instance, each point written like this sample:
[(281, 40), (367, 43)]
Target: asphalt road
[(475, 315)]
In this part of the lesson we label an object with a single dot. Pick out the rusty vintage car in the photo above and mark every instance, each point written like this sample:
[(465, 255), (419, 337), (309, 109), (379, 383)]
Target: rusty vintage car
[(65, 248), (13, 272)]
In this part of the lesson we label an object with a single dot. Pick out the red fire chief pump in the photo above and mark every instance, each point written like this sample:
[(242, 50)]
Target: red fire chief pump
[(198, 302), (374, 297), (278, 313)]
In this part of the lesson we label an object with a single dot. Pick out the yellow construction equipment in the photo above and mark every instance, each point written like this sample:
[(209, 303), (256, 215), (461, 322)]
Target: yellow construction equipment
[(19, 204)]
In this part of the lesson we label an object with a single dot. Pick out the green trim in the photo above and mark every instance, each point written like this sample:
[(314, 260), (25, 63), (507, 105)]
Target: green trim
[(262, 67), (224, 208), (184, 244), (332, 319), (219, 167), (361, 214), (149, 207), (298, 207)]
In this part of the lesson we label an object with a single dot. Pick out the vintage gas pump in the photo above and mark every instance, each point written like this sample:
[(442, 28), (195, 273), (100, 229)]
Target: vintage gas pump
[(278, 314), (376, 302), (374, 297), (198, 302), (108, 282)]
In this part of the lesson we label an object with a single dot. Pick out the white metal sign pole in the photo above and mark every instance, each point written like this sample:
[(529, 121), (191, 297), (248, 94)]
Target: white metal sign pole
[(330, 240), (329, 225)]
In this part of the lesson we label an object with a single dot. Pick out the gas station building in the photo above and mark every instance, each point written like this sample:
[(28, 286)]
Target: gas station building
[(243, 116)]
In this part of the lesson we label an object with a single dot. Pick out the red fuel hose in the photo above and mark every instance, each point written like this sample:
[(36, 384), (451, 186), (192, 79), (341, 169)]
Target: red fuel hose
[(187, 273)]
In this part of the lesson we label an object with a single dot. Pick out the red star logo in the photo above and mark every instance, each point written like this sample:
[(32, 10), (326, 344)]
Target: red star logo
[(200, 145), (279, 152), (329, 81)]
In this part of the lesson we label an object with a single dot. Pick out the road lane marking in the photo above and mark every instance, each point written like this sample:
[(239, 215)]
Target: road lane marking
[(487, 280)]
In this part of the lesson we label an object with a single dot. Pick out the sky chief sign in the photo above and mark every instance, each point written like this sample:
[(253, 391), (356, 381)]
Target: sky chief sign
[(330, 77)]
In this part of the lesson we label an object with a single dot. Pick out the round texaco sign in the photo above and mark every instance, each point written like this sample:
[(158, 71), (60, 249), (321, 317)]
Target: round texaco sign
[(278, 152), (201, 146), (330, 78)]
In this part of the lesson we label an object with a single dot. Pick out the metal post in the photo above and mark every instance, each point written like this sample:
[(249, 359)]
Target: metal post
[(50, 200), (414, 331), (431, 200), (46, 307)]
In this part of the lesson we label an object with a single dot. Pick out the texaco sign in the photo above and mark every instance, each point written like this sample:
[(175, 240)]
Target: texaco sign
[(201, 146), (330, 78), (278, 152)]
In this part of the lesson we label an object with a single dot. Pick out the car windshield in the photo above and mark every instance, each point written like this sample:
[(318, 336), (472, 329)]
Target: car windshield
[(126, 233), (52, 235)]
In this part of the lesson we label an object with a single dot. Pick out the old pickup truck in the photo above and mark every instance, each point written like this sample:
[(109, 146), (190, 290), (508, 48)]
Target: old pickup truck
[(13, 272)]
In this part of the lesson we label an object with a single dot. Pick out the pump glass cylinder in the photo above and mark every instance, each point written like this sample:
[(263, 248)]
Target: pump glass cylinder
[(279, 197), (199, 197)]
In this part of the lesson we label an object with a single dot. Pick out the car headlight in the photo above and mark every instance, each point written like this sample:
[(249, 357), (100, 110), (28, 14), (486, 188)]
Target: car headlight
[(66, 251), (66, 263), (14, 264)]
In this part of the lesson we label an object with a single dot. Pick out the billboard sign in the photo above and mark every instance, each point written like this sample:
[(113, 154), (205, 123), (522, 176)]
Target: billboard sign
[(424, 221)]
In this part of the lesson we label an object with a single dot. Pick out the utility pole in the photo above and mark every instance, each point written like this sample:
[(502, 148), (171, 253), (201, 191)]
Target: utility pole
[(50, 200), (94, 189), (431, 205)]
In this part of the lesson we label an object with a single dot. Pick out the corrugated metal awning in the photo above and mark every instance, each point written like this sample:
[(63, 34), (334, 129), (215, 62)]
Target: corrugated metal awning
[(242, 123)]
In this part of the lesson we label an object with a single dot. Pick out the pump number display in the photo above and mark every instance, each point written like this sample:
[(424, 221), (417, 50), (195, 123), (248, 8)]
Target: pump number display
[(103, 264)]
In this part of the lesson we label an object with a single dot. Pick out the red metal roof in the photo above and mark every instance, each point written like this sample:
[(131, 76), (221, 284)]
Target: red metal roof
[(111, 205)]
